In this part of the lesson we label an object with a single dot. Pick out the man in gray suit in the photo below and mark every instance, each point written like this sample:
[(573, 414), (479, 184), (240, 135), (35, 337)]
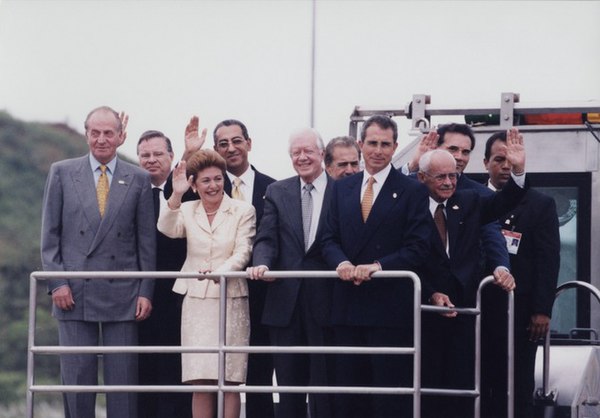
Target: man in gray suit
[(86, 229)]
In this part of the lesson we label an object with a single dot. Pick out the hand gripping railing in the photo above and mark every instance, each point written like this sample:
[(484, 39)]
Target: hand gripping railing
[(222, 348), (544, 394)]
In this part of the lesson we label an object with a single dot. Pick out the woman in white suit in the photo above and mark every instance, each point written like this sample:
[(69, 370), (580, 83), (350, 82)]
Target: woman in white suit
[(219, 232)]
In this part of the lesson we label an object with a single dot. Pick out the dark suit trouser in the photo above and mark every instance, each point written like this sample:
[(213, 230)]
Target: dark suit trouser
[(447, 362), (302, 369), (494, 356), (82, 369), (373, 370), (163, 327), (260, 365)]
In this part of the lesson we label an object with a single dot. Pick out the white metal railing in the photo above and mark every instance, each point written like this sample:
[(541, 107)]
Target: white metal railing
[(220, 388), (544, 394)]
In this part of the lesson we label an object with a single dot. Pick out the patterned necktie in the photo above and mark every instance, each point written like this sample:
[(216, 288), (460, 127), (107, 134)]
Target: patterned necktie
[(156, 197), (367, 201), (236, 191), (440, 222), (102, 190), (307, 208)]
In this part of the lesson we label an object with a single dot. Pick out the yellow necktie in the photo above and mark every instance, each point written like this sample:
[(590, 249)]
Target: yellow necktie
[(367, 201), (102, 190), (236, 191)]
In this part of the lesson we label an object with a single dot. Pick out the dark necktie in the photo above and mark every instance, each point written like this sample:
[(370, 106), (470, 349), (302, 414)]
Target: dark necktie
[(156, 197), (440, 222)]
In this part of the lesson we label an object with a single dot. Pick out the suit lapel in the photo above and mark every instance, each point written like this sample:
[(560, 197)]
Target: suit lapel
[(201, 218), (325, 206), (323, 214), (84, 184), (227, 185), (220, 217), (258, 191), (352, 196), (293, 208), (350, 204), (454, 218)]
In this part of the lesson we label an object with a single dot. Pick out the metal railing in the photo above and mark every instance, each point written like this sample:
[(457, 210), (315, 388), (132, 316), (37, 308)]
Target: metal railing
[(220, 388), (545, 395)]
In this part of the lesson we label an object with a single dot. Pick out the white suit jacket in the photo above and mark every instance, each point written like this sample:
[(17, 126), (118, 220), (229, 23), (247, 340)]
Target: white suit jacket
[(224, 245)]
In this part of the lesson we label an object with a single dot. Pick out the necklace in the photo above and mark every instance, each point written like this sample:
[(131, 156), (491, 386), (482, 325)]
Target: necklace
[(211, 213)]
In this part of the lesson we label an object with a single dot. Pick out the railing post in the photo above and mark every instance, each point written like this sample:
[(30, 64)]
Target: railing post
[(510, 407), (417, 347), (31, 342), (222, 341), (510, 351)]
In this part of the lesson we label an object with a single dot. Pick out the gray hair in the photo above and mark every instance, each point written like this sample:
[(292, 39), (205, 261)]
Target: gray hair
[(340, 141), (302, 132), (425, 160)]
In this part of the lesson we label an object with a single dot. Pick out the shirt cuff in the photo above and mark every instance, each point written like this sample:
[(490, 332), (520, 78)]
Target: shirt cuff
[(342, 263), (519, 179), (502, 268)]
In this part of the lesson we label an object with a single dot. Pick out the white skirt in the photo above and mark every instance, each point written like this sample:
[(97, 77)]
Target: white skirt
[(200, 327)]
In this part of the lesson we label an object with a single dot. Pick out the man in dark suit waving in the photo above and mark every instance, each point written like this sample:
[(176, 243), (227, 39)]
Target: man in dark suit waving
[(289, 238), (532, 237), (453, 275), (98, 216), (377, 221)]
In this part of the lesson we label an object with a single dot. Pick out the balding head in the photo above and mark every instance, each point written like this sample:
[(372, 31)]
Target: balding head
[(437, 170)]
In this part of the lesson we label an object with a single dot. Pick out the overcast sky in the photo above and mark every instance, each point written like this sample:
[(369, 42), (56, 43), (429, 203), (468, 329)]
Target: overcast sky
[(164, 61)]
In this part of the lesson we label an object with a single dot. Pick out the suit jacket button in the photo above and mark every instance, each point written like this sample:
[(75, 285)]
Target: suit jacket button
[(112, 257), (81, 232)]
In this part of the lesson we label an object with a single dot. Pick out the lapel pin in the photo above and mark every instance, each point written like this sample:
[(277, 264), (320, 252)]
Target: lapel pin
[(122, 182), (394, 195), (455, 207)]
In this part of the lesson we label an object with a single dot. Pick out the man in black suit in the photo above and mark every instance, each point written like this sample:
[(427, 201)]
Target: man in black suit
[(377, 221), (232, 141), (155, 155), (453, 273), (458, 139), (243, 181), (532, 237), (297, 311)]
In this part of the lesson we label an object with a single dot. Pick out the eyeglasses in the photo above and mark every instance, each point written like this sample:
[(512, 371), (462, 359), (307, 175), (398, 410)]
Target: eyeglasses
[(441, 177), (236, 142)]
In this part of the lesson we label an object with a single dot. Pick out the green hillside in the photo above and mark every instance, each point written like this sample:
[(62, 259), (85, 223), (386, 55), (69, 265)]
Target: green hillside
[(26, 152)]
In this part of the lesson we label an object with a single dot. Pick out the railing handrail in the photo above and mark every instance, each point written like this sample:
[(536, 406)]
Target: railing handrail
[(221, 349)]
